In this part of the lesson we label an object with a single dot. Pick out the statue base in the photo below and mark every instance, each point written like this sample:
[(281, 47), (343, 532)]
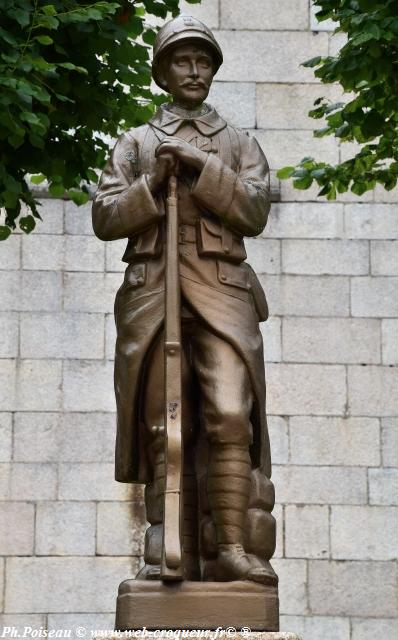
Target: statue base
[(197, 605)]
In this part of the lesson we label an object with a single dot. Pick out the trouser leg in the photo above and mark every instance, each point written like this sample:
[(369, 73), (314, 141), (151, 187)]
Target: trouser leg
[(226, 405)]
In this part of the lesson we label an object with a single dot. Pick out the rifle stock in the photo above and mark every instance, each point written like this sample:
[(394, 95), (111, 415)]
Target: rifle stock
[(171, 568)]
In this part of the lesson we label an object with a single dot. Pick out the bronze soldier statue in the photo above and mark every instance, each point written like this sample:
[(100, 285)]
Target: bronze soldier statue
[(228, 532)]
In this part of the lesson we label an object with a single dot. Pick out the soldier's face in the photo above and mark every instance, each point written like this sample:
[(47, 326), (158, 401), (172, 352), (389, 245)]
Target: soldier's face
[(189, 74)]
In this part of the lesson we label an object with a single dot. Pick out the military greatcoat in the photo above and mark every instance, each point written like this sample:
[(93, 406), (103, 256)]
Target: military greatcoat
[(227, 200)]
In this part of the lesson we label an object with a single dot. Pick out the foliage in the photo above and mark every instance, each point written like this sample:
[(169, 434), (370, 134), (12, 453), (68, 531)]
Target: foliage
[(367, 68), (65, 67)]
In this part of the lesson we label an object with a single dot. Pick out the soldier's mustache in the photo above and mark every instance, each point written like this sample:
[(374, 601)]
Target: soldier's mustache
[(187, 83)]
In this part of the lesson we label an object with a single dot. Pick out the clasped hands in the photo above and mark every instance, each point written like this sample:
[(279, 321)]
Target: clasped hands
[(169, 154)]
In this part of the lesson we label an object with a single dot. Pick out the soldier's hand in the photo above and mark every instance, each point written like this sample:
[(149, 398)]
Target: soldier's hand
[(183, 151), (164, 167)]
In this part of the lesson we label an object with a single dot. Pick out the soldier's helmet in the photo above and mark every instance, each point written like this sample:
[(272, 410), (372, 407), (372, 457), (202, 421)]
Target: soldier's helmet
[(178, 31)]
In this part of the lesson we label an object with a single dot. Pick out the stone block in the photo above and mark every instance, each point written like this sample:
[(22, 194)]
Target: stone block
[(7, 384), (5, 436), (336, 42), (68, 335), (43, 252), (384, 257), (332, 340), (320, 485), (309, 220), (289, 147), (127, 538), (39, 385), (92, 481), (5, 481), (389, 341), (307, 295), (91, 292), (41, 291), (16, 528), (235, 102), (8, 334), (383, 486), (33, 481), (20, 622), (352, 588), (306, 531), (372, 628), (10, 255), (36, 436), (10, 290), (2, 583), (382, 195), (325, 257), (292, 585), (113, 255), (207, 11), (323, 25), (372, 391), (334, 441), (374, 297), (84, 253), (271, 332), (78, 219), (65, 529), (389, 431), (110, 337), (88, 386), (272, 58), (316, 627), (87, 437), (364, 533), (87, 584), (371, 222), (52, 212), (90, 622), (267, 16), (312, 389), (279, 438), (264, 255), (286, 106)]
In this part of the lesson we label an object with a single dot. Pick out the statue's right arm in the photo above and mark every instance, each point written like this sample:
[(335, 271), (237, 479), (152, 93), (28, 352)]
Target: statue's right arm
[(123, 204)]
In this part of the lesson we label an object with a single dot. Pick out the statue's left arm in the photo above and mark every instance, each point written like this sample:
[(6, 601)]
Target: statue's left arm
[(241, 199)]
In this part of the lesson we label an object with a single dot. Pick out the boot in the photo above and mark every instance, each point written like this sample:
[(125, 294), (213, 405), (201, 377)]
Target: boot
[(228, 487)]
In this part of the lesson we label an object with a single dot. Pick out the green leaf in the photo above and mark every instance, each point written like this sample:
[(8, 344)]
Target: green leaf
[(27, 223), (56, 189), (79, 197), (46, 40), (285, 172), (4, 232), (37, 179)]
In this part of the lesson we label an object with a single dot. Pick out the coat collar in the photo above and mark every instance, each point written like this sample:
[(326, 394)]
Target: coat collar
[(168, 122)]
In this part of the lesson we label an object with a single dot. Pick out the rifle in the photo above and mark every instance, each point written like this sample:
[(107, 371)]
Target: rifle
[(171, 566)]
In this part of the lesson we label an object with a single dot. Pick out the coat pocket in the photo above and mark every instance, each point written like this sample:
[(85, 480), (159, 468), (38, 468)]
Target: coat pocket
[(147, 244), (234, 275), (216, 241)]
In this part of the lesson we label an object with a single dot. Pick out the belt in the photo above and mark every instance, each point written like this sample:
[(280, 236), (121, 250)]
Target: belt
[(186, 233)]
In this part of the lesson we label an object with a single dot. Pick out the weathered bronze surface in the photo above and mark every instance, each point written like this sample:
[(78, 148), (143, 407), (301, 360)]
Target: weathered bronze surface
[(185, 189)]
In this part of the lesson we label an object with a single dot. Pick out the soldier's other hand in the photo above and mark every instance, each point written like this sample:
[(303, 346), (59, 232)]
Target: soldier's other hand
[(182, 151), (163, 168)]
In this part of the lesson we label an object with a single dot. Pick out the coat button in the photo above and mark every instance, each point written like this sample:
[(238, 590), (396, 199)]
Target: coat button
[(226, 250), (224, 278)]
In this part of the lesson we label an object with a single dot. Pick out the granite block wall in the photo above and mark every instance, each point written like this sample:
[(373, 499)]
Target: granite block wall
[(68, 532)]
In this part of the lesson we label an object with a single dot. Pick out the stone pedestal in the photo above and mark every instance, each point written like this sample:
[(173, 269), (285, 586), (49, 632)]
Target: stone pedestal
[(197, 605)]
